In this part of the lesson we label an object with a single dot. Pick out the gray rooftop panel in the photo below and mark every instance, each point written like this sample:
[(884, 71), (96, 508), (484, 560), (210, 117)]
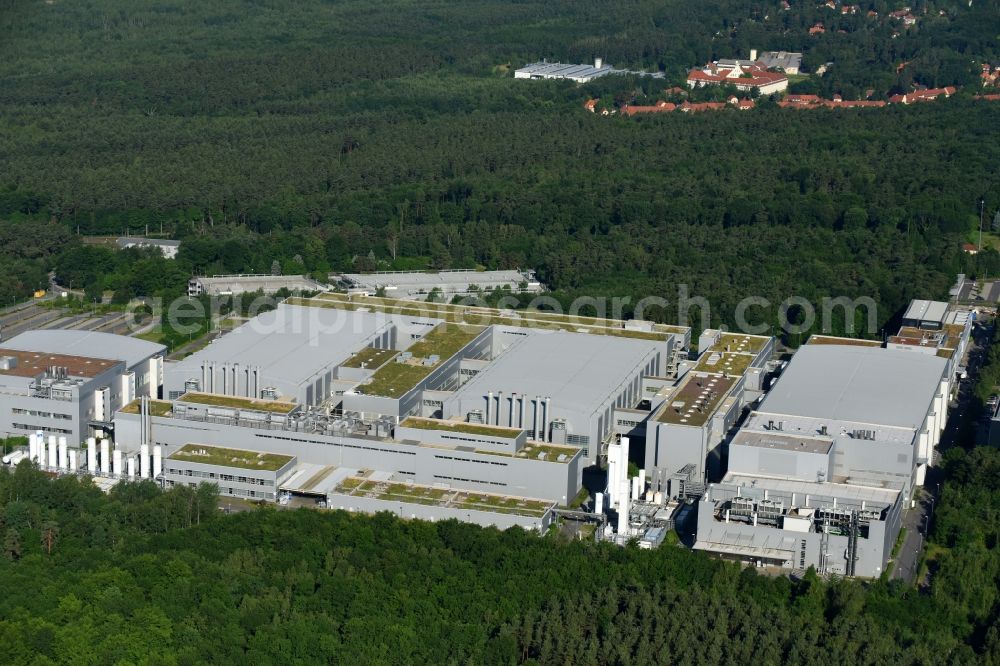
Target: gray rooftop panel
[(291, 343), (577, 370), (857, 384), (86, 343)]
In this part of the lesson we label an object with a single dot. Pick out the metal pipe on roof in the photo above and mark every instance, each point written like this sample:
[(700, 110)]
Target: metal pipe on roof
[(548, 419), (520, 420), (499, 406), (510, 413), (489, 406), (538, 406)]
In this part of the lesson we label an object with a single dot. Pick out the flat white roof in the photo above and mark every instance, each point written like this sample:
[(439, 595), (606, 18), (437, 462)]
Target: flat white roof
[(921, 310), (290, 344), (845, 491), (92, 344), (858, 385), (577, 370)]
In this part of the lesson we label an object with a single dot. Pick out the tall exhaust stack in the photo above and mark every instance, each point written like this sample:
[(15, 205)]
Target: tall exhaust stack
[(499, 406), (548, 419), (538, 408)]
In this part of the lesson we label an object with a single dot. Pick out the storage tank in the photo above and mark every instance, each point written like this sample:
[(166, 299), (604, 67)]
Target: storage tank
[(130, 464), (73, 461), (599, 503), (105, 462), (117, 462), (658, 497), (157, 460), (92, 455), (144, 461), (53, 452), (63, 454), (32, 447)]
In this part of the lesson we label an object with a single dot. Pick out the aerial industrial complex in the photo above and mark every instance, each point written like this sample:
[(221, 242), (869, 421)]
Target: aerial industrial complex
[(438, 411)]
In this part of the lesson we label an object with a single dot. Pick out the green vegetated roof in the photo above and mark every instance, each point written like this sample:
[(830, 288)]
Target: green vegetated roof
[(540, 451), (459, 426), (724, 362), (156, 407), (739, 342), (409, 493), (396, 378), (369, 357), (214, 455), (235, 402), (488, 316), (696, 400), (833, 340)]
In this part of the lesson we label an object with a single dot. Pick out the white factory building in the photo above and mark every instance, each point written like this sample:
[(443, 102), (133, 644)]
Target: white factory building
[(822, 471), (65, 386), (444, 284), (236, 285)]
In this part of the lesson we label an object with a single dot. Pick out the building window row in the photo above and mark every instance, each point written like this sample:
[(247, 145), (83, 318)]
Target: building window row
[(42, 415), (481, 462), (349, 446), (32, 428), (457, 478)]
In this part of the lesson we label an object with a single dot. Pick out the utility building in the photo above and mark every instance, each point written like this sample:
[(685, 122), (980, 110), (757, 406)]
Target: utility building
[(69, 383), (822, 472)]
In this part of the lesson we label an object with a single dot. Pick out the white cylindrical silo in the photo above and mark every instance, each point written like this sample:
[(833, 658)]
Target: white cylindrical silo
[(43, 456), (157, 460), (116, 467), (144, 461), (32, 447), (635, 488), (63, 453), (73, 461), (599, 503), (53, 451), (658, 497), (92, 455), (130, 466), (105, 462), (623, 516)]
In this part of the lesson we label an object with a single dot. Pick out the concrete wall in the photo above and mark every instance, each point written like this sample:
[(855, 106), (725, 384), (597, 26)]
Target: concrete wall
[(872, 552), (435, 513), (493, 473), (781, 463), (448, 437)]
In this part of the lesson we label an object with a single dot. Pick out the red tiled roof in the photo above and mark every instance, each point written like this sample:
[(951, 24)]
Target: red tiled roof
[(661, 107)]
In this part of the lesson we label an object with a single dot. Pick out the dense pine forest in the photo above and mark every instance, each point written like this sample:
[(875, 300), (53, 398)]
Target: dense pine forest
[(145, 576), (359, 135), (353, 134)]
